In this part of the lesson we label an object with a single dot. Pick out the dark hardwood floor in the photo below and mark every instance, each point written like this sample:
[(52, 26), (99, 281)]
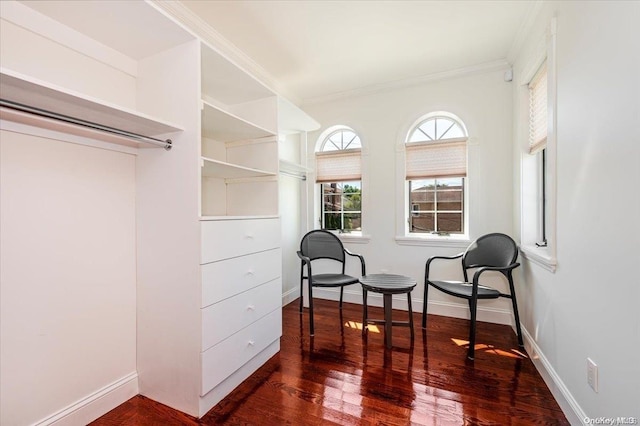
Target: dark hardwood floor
[(340, 378)]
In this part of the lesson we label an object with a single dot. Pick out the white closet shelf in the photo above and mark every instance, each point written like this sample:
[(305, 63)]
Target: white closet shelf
[(225, 81), (290, 166), (223, 126), (25, 90), (221, 169)]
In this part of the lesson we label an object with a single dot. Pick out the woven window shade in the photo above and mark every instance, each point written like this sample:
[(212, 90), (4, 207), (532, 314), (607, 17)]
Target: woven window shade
[(436, 159), (538, 111), (338, 166)]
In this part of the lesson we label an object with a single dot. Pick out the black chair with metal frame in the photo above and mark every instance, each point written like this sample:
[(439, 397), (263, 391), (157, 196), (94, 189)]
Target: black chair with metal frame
[(322, 244), (491, 252)]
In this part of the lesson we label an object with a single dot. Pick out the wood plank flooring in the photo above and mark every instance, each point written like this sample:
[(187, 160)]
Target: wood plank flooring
[(340, 378)]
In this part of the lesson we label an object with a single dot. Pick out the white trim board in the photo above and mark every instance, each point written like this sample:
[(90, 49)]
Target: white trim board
[(570, 407), (290, 295), (96, 404)]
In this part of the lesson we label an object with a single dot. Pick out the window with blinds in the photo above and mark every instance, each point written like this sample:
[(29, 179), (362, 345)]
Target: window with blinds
[(339, 173), (538, 111), (436, 168)]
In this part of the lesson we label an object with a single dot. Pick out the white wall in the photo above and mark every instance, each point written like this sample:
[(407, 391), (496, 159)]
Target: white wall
[(589, 306), (292, 196), (483, 102), (67, 273)]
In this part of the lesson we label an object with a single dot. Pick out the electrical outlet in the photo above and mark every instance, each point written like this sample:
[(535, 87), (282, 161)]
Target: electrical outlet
[(592, 374)]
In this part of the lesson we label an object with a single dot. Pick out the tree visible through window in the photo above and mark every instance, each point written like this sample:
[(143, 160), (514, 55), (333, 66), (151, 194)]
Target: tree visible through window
[(341, 204)]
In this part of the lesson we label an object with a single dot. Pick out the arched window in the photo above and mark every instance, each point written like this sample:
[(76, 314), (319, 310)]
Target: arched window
[(338, 171), (436, 168)]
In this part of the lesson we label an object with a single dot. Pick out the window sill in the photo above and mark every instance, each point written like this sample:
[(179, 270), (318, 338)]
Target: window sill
[(461, 241), (356, 238), (540, 256)]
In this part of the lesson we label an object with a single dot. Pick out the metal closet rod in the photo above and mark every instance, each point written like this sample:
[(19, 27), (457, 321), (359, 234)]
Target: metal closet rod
[(166, 144)]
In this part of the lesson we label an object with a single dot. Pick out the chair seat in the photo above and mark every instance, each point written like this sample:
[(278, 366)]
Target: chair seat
[(463, 289), (332, 280)]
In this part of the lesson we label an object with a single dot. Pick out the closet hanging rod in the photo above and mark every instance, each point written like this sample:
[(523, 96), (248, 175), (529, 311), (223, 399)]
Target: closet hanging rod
[(293, 175), (166, 144)]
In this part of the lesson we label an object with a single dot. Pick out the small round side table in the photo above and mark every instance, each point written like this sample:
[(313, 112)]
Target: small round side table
[(387, 285)]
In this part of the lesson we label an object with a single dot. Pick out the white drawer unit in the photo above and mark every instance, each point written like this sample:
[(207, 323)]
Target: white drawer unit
[(223, 319), (225, 278), (222, 360), (225, 239)]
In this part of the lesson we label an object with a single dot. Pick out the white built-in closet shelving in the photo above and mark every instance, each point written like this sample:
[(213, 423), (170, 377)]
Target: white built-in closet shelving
[(25, 90), (238, 142), (208, 236), (67, 66)]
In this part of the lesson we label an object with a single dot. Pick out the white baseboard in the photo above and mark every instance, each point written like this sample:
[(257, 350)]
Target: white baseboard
[(96, 404), (290, 296), (570, 407), (448, 309)]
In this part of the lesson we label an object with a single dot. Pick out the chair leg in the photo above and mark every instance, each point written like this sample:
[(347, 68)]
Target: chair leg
[(311, 329), (341, 293), (515, 313), (365, 311), (410, 315), (473, 304), (424, 306), (301, 286), (301, 294)]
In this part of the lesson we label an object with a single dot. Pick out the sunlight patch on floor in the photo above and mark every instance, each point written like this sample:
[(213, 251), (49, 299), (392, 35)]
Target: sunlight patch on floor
[(358, 326), (513, 353)]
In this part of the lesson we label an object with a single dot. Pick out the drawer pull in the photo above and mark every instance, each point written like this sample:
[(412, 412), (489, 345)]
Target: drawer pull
[(251, 308), (248, 236), (252, 343), (250, 272)]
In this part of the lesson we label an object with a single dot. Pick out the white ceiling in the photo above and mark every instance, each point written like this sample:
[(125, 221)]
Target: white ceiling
[(316, 49)]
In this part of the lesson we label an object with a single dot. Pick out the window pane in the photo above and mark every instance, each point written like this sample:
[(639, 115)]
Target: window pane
[(455, 132), (422, 222), (332, 221), (332, 203), (450, 222), (421, 197), (352, 202), (443, 127), (338, 198), (352, 221), (429, 129)]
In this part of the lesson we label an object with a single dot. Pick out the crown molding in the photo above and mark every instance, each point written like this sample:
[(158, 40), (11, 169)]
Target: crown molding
[(200, 28), (523, 30), (499, 65)]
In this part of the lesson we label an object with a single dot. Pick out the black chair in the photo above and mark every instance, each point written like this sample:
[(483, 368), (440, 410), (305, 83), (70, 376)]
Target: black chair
[(321, 244), (491, 252)]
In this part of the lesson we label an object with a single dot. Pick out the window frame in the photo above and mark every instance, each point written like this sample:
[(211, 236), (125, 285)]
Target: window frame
[(316, 216), (403, 234), (435, 211), (342, 211), (538, 176)]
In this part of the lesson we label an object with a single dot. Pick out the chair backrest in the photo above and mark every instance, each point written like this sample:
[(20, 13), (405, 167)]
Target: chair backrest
[(490, 250), (321, 244)]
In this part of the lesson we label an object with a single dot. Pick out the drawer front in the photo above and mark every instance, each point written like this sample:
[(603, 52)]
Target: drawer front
[(226, 278), (223, 319), (225, 239), (222, 360)]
